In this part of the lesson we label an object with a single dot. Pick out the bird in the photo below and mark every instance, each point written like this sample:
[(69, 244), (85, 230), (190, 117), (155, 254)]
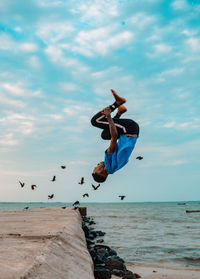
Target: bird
[(86, 195), (33, 187), (22, 184), (95, 187), (139, 157), (54, 178), (50, 197), (63, 207), (27, 207), (63, 167), (82, 181), (76, 203), (122, 197)]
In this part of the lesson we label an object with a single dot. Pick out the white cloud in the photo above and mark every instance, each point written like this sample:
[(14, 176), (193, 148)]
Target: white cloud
[(97, 10), (34, 62), (169, 124), (184, 125), (159, 49), (19, 90), (162, 48), (188, 32), (20, 122), (169, 74), (51, 3), (194, 44), (141, 21), (8, 140), (6, 43), (78, 163), (56, 116), (70, 111), (14, 88), (29, 47), (56, 56), (179, 5), (69, 86), (11, 102), (102, 40), (178, 162), (54, 32)]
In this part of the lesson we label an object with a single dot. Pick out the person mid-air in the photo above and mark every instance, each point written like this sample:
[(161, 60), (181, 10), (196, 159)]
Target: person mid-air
[(122, 133)]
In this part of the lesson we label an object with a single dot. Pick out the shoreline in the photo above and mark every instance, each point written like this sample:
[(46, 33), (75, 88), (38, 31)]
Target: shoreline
[(155, 271)]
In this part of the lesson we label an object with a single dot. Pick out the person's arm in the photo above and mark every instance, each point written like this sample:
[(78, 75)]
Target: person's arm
[(113, 130)]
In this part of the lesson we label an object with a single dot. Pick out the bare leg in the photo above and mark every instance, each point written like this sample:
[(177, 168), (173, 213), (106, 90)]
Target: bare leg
[(119, 100), (121, 109)]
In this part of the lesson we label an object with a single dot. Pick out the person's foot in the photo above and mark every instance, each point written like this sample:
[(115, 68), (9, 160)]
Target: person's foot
[(119, 100), (121, 109)]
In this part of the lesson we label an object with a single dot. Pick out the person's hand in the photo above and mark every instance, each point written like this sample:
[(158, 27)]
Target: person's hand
[(106, 111)]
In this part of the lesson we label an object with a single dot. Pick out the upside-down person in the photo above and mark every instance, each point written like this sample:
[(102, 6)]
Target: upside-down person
[(122, 133)]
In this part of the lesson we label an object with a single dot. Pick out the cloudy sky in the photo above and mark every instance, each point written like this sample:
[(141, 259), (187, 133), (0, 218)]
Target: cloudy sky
[(59, 59)]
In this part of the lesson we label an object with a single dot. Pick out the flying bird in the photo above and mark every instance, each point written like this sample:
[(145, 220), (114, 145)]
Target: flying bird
[(122, 197), (95, 187), (50, 197), (63, 167), (54, 178), (22, 184), (76, 203), (27, 207), (86, 195), (82, 181), (33, 187), (139, 157)]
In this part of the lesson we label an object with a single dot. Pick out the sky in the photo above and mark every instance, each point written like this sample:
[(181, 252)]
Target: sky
[(59, 60)]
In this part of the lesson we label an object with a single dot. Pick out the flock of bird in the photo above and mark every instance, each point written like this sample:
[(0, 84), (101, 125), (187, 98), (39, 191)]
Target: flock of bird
[(82, 181)]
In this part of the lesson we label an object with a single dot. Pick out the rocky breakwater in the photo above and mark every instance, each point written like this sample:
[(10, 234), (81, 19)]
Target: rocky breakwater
[(106, 260), (43, 243)]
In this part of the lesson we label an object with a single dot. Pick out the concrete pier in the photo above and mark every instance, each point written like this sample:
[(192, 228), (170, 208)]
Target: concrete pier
[(43, 243)]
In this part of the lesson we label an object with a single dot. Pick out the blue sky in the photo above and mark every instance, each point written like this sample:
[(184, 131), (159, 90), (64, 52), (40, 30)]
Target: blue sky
[(59, 60)]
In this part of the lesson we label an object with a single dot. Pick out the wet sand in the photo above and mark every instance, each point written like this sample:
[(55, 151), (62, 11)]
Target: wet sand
[(161, 272)]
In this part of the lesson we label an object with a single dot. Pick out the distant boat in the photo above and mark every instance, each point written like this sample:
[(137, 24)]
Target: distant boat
[(181, 203), (191, 211)]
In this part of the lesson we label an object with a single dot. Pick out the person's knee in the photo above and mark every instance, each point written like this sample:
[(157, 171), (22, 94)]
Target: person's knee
[(105, 135), (93, 121)]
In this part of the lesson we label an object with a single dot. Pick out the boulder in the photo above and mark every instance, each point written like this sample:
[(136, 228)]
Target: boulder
[(118, 272), (115, 264), (102, 273)]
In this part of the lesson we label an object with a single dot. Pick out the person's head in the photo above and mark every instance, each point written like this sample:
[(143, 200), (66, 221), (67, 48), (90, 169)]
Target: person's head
[(99, 173)]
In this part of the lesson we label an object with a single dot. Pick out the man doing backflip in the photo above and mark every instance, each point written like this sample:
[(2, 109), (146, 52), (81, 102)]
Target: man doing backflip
[(122, 133)]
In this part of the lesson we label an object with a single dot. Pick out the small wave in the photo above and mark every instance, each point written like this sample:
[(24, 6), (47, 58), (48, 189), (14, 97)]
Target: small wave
[(190, 260)]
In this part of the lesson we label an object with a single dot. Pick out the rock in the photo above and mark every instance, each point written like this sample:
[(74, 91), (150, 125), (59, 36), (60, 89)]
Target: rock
[(137, 275), (91, 236), (118, 272), (100, 233), (102, 273), (115, 264), (100, 241), (89, 242), (128, 275), (113, 252)]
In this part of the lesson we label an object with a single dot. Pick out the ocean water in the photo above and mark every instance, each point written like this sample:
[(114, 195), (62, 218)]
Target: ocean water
[(153, 233)]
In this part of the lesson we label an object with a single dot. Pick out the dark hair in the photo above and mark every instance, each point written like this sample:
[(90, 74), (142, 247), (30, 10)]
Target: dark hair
[(98, 178)]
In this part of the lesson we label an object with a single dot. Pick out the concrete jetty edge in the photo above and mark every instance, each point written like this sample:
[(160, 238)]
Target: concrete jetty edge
[(43, 243)]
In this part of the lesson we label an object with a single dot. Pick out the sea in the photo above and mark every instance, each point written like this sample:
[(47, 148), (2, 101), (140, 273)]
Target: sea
[(160, 233)]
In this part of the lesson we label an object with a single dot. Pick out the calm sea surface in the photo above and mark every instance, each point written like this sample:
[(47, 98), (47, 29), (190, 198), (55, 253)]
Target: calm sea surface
[(158, 233)]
